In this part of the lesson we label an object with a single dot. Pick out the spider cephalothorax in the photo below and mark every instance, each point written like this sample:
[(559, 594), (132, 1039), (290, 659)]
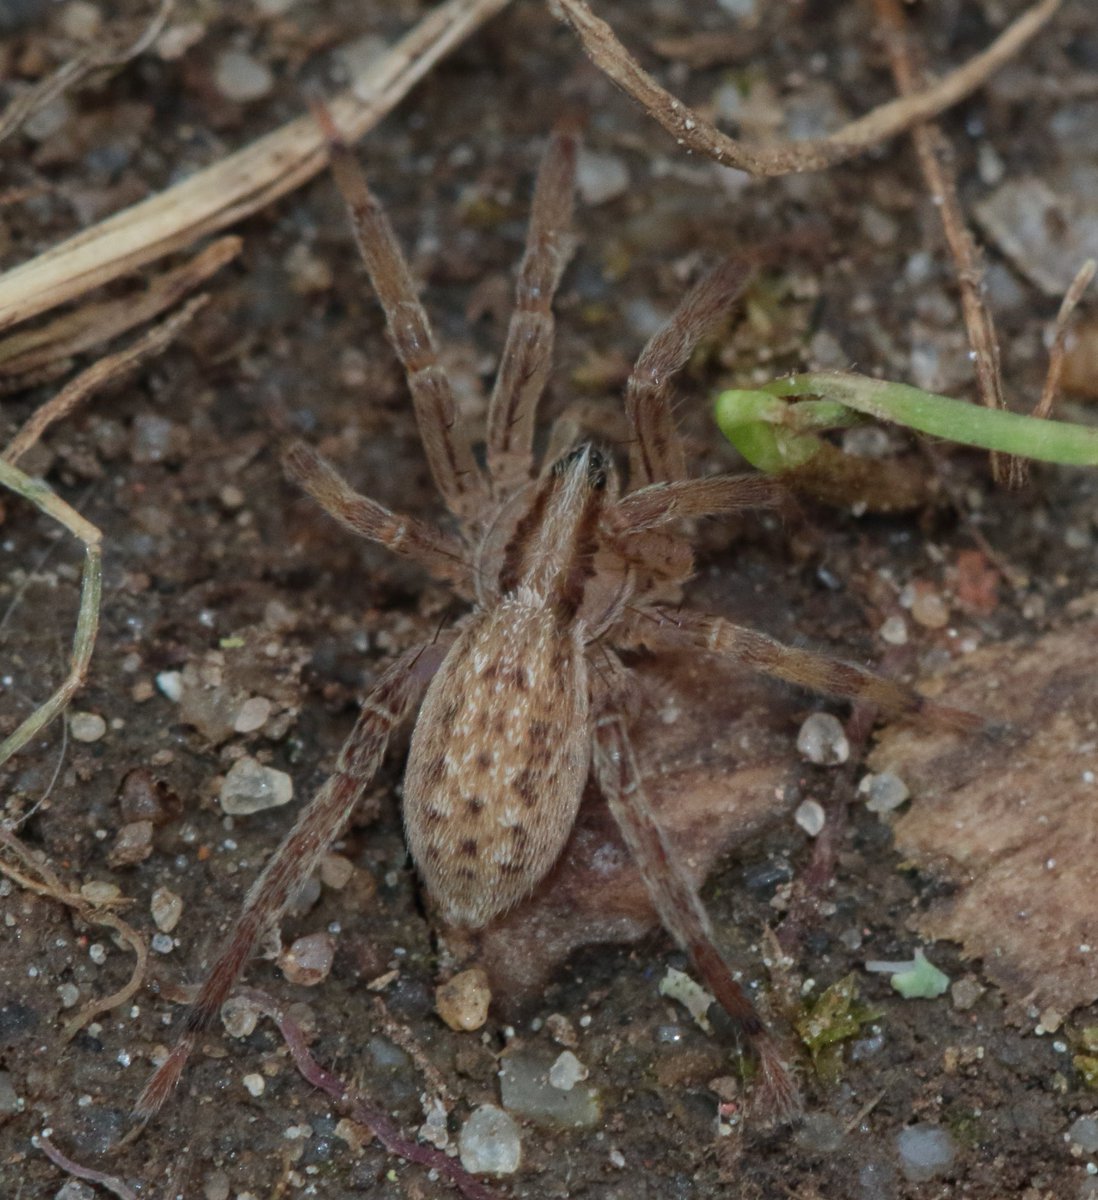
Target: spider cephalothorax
[(526, 696)]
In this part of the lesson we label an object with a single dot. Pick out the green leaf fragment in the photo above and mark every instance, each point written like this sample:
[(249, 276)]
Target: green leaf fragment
[(1087, 1067), (837, 1016), (922, 980)]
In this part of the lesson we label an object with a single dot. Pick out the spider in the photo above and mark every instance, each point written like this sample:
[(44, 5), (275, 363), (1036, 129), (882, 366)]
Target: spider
[(563, 568)]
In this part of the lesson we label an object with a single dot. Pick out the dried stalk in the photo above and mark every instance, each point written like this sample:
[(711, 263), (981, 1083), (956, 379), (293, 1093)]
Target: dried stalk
[(935, 156), (879, 125), (935, 162), (239, 185), (76, 332), (71, 73), (99, 374), (40, 878)]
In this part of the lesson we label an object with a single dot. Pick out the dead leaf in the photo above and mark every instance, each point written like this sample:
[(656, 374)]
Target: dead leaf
[(1014, 821)]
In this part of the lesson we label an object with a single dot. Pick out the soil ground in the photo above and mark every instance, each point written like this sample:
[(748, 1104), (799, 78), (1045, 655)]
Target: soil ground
[(210, 553)]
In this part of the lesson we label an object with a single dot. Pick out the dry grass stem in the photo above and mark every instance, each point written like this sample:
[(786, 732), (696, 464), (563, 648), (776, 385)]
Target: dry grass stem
[(239, 185), (94, 324), (935, 162), (40, 878), (87, 621), (71, 73), (882, 123), (106, 370), (1071, 300)]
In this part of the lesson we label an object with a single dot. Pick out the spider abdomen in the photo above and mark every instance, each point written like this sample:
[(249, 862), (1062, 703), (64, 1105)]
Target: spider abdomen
[(498, 761)]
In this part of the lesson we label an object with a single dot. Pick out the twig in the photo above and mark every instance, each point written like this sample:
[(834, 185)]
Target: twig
[(935, 154), (98, 375), (49, 884), (75, 332), (360, 1109), (1072, 296), (878, 125), (111, 1182), (87, 620), (71, 73), (239, 185)]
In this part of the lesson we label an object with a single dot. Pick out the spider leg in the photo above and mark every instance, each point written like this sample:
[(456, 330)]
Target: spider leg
[(528, 351), (661, 503), (445, 442), (680, 908), (805, 668), (656, 451), (390, 700), (438, 552)]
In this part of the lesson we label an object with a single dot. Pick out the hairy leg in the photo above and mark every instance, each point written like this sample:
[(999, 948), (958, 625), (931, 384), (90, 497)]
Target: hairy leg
[(661, 628), (776, 1096), (390, 700), (528, 352), (440, 553), (661, 503), (656, 452), (446, 443)]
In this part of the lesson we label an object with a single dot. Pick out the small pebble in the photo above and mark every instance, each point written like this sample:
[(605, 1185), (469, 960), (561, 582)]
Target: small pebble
[(489, 1143), (1084, 1134), (162, 943), (930, 610), (239, 1016), (525, 1090), (567, 1071), (462, 1002), (253, 715), (80, 20), (336, 871), (9, 1098), (883, 792), (925, 1151), (69, 995), (561, 1030), (166, 908), (87, 727), (822, 740), (600, 177), (309, 959), (965, 993), (435, 1128), (132, 845), (820, 1133), (241, 78), (74, 1190), (152, 438), (216, 1186), (810, 817), (255, 1084), (894, 631), (98, 892), (97, 952), (170, 684), (249, 787)]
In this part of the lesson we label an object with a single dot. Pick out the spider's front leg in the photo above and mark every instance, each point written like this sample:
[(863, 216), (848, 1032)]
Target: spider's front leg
[(663, 629), (776, 1096), (394, 697)]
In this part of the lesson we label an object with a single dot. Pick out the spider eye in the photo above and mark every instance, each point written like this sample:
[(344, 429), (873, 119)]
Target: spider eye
[(596, 460)]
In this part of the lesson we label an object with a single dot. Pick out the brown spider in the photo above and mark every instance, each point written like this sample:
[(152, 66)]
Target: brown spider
[(562, 568)]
